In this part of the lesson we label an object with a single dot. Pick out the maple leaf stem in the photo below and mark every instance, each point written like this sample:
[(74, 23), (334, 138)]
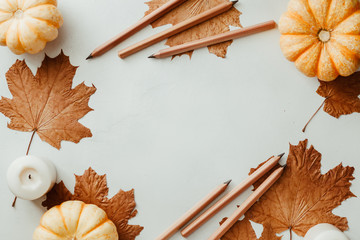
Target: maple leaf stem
[(14, 202), (322, 104), (290, 233), (27, 153), (31, 139)]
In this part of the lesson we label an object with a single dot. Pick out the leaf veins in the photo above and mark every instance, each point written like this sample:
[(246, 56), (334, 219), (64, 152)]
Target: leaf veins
[(46, 103), (303, 197)]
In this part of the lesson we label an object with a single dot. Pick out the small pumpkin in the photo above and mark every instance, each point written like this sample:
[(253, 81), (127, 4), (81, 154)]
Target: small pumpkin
[(27, 25), (75, 220), (322, 37)]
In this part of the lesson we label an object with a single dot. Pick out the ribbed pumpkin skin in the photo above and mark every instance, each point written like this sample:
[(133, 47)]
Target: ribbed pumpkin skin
[(322, 37), (75, 220), (27, 25)]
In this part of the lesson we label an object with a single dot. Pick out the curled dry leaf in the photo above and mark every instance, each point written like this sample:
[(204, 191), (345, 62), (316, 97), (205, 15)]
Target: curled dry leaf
[(46, 103), (341, 96), (303, 197), (190, 8), (242, 230), (91, 188)]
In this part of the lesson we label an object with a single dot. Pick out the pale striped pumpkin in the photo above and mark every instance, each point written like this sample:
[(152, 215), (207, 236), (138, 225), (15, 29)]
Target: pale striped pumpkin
[(75, 220), (27, 25), (322, 37)]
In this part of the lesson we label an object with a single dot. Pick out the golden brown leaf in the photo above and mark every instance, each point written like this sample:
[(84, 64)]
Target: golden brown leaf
[(190, 8), (269, 234), (341, 95), (46, 102), (303, 197), (91, 188), (242, 230)]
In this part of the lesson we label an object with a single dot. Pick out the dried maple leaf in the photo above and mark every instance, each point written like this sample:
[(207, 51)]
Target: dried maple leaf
[(341, 96), (190, 8), (46, 103), (242, 230), (303, 197), (91, 188)]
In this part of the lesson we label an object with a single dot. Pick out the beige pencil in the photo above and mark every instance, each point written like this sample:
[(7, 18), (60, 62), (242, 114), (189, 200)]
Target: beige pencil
[(161, 11), (191, 213), (214, 40), (204, 217), (247, 204), (182, 26)]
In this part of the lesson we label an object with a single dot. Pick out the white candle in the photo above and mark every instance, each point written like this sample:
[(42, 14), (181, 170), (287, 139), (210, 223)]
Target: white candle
[(30, 177), (325, 231)]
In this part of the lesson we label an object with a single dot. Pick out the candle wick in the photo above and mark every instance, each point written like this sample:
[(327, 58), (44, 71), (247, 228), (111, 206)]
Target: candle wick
[(29, 176)]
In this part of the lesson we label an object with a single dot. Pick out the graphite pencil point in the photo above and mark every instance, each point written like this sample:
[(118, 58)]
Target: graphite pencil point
[(227, 182)]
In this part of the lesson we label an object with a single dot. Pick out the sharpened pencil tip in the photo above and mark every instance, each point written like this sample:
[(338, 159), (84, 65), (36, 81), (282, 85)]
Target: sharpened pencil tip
[(89, 57), (227, 182), (234, 1), (152, 56), (280, 155)]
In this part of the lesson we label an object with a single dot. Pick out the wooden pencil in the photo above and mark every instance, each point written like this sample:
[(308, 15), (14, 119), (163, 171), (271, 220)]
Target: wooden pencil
[(247, 204), (146, 20), (182, 26), (191, 213), (204, 217), (214, 40)]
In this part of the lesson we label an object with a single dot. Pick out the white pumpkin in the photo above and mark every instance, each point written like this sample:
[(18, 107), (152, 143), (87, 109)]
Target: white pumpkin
[(27, 25), (75, 220)]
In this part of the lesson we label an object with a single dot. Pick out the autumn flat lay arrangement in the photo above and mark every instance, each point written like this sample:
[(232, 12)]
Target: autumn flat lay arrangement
[(180, 119)]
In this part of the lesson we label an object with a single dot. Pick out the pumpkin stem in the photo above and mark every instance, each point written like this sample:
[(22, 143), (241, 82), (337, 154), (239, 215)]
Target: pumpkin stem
[(324, 35), (322, 104)]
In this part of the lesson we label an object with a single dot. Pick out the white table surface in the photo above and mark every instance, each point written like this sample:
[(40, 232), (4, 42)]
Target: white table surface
[(173, 130)]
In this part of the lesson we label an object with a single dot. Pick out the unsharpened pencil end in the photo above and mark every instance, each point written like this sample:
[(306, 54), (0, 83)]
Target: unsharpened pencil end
[(280, 155), (227, 182), (234, 1), (89, 57), (152, 56)]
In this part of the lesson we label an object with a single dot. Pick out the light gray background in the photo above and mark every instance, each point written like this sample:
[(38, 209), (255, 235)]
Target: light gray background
[(173, 130)]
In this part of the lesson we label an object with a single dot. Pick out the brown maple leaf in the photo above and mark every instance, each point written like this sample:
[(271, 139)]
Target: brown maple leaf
[(341, 96), (91, 188), (190, 8), (46, 103), (303, 197), (242, 230)]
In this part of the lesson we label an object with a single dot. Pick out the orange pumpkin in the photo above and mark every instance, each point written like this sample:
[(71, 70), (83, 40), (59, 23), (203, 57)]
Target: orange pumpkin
[(322, 37)]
